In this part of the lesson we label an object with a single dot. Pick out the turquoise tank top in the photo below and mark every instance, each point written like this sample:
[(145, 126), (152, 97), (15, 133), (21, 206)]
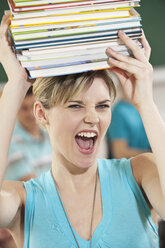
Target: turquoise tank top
[(126, 220)]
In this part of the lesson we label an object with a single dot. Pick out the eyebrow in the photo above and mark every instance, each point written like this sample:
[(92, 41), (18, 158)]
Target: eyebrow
[(81, 102)]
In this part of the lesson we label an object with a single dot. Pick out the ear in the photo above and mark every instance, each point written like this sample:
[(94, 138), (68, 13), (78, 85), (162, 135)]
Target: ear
[(40, 113)]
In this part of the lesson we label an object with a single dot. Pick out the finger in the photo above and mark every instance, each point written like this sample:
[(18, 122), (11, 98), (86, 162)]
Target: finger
[(146, 45), (4, 32), (125, 83), (7, 12), (136, 50), (124, 58), (122, 75), (4, 26), (5, 19), (123, 65)]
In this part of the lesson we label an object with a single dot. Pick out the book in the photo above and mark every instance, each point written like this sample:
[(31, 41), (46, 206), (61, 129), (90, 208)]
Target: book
[(70, 36), (61, 60), (43, 2), (134, 17), (96, 15), (67, 9), (61, 38), (58, 5), (74, 42), (66, 70), (69, 48), (73, 31), (67, 52)]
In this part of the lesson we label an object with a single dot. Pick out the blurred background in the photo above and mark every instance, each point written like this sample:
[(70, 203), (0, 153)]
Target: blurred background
[(153, 21)]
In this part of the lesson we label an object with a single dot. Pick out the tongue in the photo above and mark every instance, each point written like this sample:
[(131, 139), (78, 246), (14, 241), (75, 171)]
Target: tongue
[(84, 143)]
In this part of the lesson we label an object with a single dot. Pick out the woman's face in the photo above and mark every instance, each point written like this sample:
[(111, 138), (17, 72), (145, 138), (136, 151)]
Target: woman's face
[(77, 128)]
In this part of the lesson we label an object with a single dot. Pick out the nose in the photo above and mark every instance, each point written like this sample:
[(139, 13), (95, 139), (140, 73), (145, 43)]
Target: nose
[(91, 116)]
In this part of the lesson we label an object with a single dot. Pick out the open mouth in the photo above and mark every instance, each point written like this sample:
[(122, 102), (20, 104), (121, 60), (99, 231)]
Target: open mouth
[(86, 141)]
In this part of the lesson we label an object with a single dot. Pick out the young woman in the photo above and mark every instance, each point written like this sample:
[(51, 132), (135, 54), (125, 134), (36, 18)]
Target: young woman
[(83, 202)]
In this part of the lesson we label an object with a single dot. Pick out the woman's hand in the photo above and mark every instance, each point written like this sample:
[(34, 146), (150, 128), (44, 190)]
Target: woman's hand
[(12, 67), (134, 74)]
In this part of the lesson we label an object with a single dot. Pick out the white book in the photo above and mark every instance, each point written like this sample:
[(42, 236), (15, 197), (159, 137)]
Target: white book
[(58, 62), (68, 4), (70, 18), (42, 2), (69, 69), (73, 31), (134, 16), (62, 44), (69, 53), (67, 48), (64, 60), (65, 10), (73, 42), (78, 36), (29, 29)]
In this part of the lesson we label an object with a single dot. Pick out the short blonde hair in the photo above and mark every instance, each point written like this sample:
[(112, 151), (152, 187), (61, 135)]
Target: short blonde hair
[(59, 90)]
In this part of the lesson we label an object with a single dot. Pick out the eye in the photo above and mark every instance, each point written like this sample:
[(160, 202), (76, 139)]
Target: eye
[(103, 106), (75, 106)]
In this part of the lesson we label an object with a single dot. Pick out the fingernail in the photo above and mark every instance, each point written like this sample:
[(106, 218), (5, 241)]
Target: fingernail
[(109, 49), (121, 32), (111, 59)]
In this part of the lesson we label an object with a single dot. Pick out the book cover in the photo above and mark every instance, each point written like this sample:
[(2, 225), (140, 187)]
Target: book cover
[(52, 5), (66, 70), (67, 53), (51, 27), (81, 36), (67, 9), (74, 31), (43, 2), (106, 14), (70, 36), (133, 35), (69, 48)]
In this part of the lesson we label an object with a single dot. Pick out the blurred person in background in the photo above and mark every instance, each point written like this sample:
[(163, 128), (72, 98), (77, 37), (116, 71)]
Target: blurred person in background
[(126, 135), (29, 154), (30, 150)]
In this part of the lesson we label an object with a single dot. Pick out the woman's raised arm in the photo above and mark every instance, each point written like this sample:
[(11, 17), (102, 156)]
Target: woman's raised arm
[(135, 75), (12, 97)]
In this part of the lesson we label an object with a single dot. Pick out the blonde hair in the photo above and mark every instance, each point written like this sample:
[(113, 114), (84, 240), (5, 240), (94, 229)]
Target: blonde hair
[(59, 90)]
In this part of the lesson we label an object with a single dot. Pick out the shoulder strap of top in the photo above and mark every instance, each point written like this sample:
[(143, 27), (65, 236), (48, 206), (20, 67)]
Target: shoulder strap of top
[(29, 211)]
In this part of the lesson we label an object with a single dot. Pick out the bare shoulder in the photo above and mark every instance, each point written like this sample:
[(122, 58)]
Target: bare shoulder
[(14, 188), (143, 167)]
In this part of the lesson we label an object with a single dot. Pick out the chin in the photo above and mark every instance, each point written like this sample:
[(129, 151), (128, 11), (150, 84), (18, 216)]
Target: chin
[(85, 159), (85, 162)]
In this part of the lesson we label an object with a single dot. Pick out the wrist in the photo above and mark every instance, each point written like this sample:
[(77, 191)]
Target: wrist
[(16, 89), (19, 84), (146, 107)]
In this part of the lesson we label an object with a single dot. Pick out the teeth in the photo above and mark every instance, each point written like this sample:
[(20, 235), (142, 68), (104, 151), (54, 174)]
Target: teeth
[(87, 134)]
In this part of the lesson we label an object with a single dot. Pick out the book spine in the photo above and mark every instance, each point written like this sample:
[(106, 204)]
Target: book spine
[(69, 69), (71, 19)]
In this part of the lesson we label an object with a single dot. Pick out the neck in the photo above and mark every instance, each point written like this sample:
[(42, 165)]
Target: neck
[(33, 130), (70, 176), (36, 132)]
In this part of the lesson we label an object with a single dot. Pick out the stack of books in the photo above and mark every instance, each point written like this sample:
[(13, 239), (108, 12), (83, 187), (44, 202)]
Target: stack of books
[(59, 37)]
